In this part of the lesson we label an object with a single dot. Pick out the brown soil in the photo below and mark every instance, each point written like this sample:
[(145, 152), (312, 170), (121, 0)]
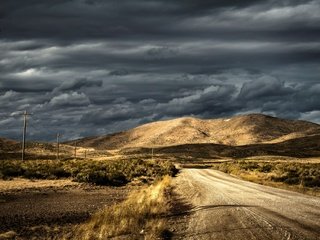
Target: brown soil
[(45, 208)]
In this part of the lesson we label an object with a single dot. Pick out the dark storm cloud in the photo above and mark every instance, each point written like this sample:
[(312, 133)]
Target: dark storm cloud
[(89, 67), (75, 84), (264, 88), (152, 19)]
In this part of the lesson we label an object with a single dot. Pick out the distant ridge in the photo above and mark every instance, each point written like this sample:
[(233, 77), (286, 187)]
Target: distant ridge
[(235, 131), (11, 149), (8, 145)]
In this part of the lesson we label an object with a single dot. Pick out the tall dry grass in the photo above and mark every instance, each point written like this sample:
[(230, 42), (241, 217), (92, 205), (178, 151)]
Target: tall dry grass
[(141, 216)]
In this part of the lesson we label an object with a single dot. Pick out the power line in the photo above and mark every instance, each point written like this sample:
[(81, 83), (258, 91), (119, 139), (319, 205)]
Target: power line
[(152, 154), (58, 135)]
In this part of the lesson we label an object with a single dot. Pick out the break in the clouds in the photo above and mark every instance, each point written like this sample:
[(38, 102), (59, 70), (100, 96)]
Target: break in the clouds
[(90, 67)]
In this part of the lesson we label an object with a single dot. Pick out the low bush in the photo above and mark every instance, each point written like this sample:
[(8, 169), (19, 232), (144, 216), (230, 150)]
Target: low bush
[(311, 181)]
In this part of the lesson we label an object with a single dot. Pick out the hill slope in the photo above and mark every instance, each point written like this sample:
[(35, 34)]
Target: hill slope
[(300, 148), (8, 145), (239, 130)]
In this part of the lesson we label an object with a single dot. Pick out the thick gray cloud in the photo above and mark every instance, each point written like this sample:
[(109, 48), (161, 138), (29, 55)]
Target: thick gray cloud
[(89, 67)]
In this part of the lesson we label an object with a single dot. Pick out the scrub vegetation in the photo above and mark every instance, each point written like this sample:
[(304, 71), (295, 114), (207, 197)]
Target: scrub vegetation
[(100, 172), (297, 175)]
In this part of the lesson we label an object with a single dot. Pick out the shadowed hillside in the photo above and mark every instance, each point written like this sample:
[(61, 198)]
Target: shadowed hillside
[(7, 145), (299, 148), (236, 131)]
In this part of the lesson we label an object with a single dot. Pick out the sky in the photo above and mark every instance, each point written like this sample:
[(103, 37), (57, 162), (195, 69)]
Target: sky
[(93, 67)]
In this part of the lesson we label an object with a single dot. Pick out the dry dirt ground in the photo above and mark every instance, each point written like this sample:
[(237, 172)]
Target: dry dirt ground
[(224, 207), (30, 208)]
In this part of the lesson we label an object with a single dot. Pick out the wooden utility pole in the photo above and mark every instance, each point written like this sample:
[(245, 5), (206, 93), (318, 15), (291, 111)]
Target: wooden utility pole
[(152, 154), (58, 146), (24, 133), (85, 154), (75, 149)]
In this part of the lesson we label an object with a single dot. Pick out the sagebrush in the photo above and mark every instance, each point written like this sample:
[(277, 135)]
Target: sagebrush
[(101, 172)]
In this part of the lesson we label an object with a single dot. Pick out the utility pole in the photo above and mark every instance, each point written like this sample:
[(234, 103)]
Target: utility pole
[(152, 154), (24, 133), (58, 146), (85, 154), (75, 149)]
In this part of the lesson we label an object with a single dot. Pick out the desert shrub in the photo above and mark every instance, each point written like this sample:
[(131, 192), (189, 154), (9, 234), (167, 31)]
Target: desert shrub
[(10, 170), (98, 177), (292, 180), (101, 177), (265, 168), (231, 168), (43, 169), (249, 166), (311, 181), (223, 167), (60, 172)]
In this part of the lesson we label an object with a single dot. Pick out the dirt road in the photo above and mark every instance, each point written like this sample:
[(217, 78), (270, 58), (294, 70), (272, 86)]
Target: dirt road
[(225, 207)]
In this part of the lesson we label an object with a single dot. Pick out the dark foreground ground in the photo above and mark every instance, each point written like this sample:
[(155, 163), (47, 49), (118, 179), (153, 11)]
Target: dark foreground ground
[(207, 204), (43, 212)]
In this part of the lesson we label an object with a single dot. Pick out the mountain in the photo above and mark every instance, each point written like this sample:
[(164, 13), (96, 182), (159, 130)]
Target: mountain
[(236, 131)]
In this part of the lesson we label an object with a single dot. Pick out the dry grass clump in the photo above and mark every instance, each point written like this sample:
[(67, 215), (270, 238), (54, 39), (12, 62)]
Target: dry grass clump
[(8, 235), (140, 216)]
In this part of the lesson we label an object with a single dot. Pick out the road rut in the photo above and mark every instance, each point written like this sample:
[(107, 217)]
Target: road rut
[(225, 207)]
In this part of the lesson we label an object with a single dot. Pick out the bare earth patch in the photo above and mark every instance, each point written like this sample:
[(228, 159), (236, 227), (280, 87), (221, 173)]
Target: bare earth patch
[(43, 209), (25, 184)]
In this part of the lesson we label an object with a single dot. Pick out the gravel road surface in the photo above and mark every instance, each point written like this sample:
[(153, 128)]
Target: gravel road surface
[(225, 207)]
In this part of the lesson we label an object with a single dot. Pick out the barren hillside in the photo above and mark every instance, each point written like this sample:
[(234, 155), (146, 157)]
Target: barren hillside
[(239, 130)]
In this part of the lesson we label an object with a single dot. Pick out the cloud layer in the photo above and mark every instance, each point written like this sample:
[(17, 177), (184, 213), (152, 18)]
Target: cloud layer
[(90, 67)]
